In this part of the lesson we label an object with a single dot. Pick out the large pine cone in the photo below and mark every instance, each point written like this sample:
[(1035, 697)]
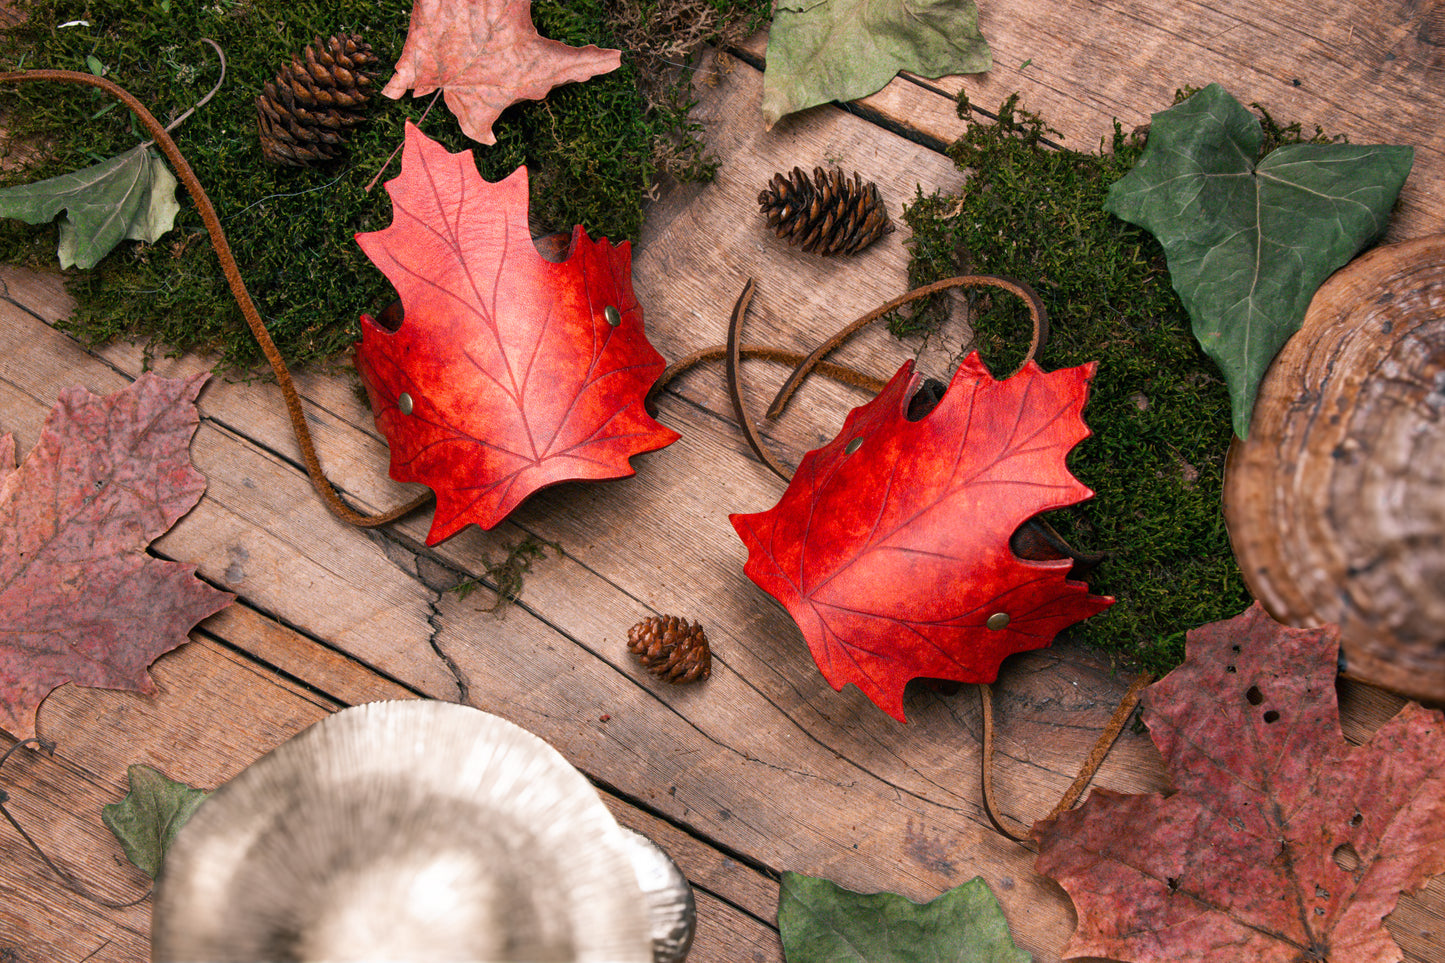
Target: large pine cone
[(305, 113), (671, 648), (827, 213)]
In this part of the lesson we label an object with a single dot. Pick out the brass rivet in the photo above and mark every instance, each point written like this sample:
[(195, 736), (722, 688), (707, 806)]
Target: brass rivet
[(403, 402), (852, 446), (998, 620), (613, 316)]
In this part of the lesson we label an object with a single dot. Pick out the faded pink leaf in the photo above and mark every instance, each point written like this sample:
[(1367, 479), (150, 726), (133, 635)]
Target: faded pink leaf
[(486, 55), (80, 600)]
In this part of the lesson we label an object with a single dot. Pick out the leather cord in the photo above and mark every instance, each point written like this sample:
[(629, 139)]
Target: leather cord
[(1087, 770), (733, 352), (1037, 314)]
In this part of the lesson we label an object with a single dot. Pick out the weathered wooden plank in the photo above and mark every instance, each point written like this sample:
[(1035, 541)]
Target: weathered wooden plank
[(317, 666), (763, 759), (725, 933), (720, 797)]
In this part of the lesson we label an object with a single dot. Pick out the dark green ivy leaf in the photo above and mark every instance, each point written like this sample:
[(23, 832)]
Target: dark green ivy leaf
[(822, 50), (147, 819), (132, 196), (1249, 241), (823, 923)]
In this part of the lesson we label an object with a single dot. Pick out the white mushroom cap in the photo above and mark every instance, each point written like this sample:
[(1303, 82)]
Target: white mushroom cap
[(413, 830)]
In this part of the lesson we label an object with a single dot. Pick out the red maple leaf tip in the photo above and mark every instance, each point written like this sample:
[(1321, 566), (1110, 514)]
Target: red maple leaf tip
[(486, 55), (509, 372), (1282, 842), (890, 546), (80, 600)]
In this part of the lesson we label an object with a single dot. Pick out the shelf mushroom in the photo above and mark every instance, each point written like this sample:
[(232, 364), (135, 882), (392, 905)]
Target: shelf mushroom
[(1336, 502), (408, 830)]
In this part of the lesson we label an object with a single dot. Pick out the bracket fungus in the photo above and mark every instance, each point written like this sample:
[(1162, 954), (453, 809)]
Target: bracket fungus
[(1336, 502)]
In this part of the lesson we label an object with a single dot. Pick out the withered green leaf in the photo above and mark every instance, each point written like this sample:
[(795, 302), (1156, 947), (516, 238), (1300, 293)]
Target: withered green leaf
[(147, 820), (822, 50), (821, 922), (132, 197)]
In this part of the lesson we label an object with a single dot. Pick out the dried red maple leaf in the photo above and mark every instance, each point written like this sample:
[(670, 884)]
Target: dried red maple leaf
[(890, 547), (509, 372), (80, 600), (486, 55), (1282, 843)]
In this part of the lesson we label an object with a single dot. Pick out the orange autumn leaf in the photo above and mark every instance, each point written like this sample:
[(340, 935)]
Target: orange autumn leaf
[(486, 55)]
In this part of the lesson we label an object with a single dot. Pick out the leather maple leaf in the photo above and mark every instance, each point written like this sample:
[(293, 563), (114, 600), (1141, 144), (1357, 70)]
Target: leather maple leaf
[(890, 547), (509, 372), (1282, 842), (486, 55), (80, 600)]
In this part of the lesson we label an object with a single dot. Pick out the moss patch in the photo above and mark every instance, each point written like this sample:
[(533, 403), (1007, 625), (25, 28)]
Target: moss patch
[(507, 577), (1158, 407), (591, 150)]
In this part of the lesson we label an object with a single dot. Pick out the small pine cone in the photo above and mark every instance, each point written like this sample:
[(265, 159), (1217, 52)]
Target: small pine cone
[(304, 114), (671, 648), (827, 213)]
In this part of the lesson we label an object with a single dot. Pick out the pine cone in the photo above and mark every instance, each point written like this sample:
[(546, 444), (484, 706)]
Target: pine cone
[(304, 114), (671, 648), (827, 213)]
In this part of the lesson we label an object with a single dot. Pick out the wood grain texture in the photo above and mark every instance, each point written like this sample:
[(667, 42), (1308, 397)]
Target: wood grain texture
[(763, 767), (730, 761)]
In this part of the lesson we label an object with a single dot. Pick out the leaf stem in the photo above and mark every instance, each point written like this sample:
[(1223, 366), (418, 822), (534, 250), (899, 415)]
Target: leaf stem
[(387, 163), (204, 100)]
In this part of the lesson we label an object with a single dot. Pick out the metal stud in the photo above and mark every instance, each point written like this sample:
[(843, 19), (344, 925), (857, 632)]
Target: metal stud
[(853, 446), (404, 402), (997, 621), (613, 316)]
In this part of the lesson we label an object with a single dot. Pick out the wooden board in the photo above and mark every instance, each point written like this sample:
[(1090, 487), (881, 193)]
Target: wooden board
[(763, 768)]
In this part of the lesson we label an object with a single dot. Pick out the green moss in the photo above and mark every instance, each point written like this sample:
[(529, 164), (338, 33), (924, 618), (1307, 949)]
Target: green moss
[(588, 147), (507, 577), (1158, 408)]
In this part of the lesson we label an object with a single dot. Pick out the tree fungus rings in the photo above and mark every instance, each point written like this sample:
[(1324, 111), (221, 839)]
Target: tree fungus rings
[(1336, 502)]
